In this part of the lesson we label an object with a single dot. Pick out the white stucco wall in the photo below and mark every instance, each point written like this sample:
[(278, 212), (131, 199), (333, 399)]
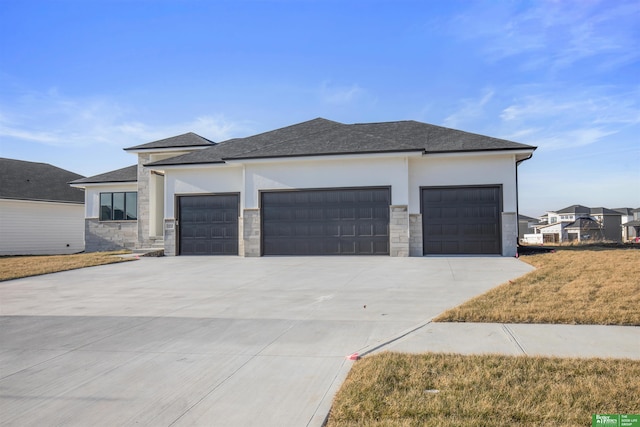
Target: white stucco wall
[(92, 196), (311, 173), (40, 228), (454, 169), (221, 178)]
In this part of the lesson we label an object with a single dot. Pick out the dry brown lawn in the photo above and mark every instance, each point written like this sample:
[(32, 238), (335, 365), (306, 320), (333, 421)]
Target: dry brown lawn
[(394, 389), (580, 285), (15, 267)]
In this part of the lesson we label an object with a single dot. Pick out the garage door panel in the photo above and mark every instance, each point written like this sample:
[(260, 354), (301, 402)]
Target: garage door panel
[(461, 220), (208, 224), (327, 222)]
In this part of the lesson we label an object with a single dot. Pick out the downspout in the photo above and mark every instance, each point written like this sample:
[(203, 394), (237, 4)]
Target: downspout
[(518, 203)]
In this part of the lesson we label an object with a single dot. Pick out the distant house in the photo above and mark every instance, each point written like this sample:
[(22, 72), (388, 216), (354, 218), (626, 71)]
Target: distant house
[(526, 225), (630, 223), (632, 227), (579, 223), (39, 213)]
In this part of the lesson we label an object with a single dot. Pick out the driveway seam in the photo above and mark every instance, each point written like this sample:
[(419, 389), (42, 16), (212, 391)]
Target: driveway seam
[(219, 384)]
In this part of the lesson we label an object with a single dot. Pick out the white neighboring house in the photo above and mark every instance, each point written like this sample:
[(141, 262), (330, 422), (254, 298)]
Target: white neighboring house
[(580, 223), (630, 223), (314, 188), (39, 213)]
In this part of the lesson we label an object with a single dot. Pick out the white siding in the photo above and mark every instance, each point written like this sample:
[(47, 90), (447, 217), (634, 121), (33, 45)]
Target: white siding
[(40, 228)]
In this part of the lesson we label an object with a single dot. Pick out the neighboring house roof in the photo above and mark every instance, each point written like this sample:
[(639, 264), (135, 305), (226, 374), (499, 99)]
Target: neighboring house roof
[(584, 224), (624, 211), (526, 218), (634, 223), (574, 209), (22, 180), (325, 137), (186, 140), (128, 174), (604, 211)]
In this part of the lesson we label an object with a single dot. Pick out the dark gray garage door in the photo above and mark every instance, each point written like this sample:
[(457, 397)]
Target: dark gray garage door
[(461, 220), (326, 222), (208, 225)]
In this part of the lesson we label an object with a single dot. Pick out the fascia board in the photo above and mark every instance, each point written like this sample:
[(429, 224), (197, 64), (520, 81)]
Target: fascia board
[(484, 153), (355, 156), (186, 149), (162, 168), (103, 184)]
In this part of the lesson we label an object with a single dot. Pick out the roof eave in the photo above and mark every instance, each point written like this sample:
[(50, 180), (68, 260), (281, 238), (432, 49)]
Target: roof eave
[(137, 150), (413, 152), (183, 164), (26, 199), (487, 151), (84, 184)]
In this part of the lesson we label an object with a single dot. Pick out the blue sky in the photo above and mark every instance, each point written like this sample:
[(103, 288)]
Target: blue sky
[(80, 80)]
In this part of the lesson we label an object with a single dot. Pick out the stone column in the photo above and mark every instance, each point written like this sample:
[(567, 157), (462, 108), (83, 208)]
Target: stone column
[(143, 200), (170, 237), (415, 235), (399, 231), (509, 233), (251, 233)]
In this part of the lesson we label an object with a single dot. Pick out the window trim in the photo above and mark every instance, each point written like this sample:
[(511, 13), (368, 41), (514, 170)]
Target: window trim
[(111, 194)]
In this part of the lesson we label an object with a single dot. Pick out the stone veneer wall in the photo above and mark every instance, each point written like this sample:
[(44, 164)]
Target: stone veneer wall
[(250, 233), (509, 234), (170, 237), (144, 175), (399, 231), (109, 235), (415, 235)]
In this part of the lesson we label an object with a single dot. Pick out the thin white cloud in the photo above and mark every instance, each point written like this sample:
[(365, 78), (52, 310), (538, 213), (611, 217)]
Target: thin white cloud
[(54, 119), (548, 118), (553, 34), (340, 95), (470, 110)]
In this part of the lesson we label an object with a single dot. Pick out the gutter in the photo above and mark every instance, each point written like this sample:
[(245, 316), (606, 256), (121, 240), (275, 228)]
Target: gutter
[(518, 201)]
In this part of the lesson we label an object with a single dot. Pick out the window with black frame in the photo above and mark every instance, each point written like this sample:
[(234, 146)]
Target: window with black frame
[(121, 206)]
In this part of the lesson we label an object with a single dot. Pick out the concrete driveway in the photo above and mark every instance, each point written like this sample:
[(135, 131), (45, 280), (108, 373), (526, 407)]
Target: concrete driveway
[(213, 341)]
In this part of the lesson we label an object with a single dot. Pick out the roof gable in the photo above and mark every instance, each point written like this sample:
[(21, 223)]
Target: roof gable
[(24, 180), (325, 137), (185, 140)]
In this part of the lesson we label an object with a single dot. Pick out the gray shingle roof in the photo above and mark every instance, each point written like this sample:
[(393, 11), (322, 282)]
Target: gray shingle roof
[(186, 140), (584, 224), (624, 211), (128, 174), (24, 180), (325, 137), (604, 211), (574, 209)]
